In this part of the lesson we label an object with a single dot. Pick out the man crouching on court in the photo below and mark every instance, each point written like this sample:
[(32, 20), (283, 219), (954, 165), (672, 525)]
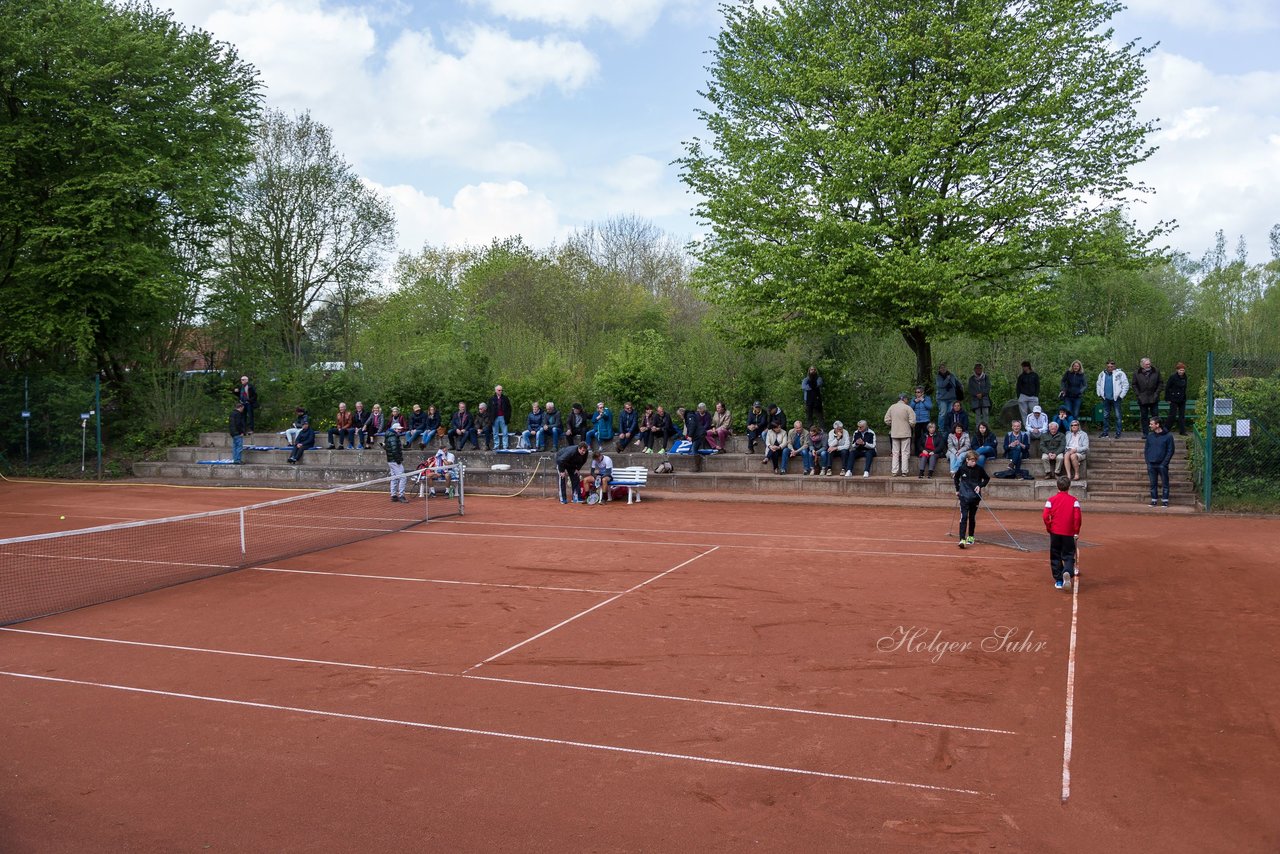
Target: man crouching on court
[(568, 461)]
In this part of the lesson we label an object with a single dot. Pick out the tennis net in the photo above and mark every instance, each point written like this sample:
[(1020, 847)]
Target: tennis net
[(51, 573)]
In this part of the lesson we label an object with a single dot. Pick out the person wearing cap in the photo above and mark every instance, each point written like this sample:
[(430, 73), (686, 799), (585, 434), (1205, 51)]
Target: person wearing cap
[(757, 423), (417, 427), (1037, 423), (397, 418), (237, 427), (901, 421), (1028, 388), (393, 444), (300, 419), (303, 440), (862, 445)]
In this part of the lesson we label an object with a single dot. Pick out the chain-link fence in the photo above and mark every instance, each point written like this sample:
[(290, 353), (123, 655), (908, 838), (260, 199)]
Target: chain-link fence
[(51, 421), (1237, 461)]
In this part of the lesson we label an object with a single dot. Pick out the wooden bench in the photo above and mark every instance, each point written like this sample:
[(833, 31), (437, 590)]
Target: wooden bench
[(633, 478)]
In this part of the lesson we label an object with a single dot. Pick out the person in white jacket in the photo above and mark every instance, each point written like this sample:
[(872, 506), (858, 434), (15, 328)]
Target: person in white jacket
[(1077, 449), (838, 446), (1112, 386)]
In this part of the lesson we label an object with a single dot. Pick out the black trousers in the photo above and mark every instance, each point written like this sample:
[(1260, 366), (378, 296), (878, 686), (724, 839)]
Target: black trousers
[(968, 516), (574, 481), (1178, 415), (1062, 555)]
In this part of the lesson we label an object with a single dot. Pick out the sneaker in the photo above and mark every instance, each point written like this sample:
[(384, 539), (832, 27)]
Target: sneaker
[(432, 492), (864, 474), (807, 472), (849, 472), (562, 501), (1105, 436), (1057, 584), (1117, 434), (662, 450), (1165, 503), (968, 540), (648, 450), (1153, 502), (1066, 581), (826, 472), (963, 542)]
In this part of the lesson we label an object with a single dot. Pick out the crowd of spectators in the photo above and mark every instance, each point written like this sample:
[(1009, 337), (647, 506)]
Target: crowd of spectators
[(952, 422)]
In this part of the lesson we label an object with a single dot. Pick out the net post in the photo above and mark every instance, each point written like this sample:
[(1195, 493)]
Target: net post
[(243, 550), (1208, 434)]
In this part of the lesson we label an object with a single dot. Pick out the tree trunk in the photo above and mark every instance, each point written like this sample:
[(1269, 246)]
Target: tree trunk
[(918, 341)]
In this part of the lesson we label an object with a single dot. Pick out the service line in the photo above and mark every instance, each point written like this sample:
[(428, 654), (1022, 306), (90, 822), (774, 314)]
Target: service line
[(594, 607), (583, 745), (527, 683)]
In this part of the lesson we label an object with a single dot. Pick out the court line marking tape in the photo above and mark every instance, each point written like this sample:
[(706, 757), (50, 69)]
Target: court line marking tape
[(428, 580), (1071, 692), (522, 682), (583, 745), (594, 607)]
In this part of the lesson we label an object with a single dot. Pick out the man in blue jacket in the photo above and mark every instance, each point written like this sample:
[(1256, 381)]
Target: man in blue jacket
[(1158, 452)]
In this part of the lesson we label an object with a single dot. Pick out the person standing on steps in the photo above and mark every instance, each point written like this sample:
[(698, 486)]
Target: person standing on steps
[(1175, 391), (1028, 389), (1111, 387), (1158, 453), (1146, 385)]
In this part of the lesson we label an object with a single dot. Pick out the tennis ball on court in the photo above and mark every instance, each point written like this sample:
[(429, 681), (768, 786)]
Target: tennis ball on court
[(62, 517)]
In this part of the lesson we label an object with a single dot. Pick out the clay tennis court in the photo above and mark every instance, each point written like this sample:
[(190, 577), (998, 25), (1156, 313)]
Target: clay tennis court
[(667, 676)]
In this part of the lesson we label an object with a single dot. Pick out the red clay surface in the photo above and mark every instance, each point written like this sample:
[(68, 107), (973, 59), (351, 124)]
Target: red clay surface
[(739, 687)]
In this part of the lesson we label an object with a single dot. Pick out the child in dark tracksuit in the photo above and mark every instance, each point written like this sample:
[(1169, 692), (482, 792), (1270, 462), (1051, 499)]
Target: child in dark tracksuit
[(969, 479), (1062, 521)]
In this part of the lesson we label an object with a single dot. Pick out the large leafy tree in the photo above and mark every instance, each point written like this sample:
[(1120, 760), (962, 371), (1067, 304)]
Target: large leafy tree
[(121, 134), (924, 166), (307, 231)]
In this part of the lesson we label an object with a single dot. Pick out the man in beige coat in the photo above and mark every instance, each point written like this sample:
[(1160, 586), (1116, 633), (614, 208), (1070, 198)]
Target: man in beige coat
[(901, 421)]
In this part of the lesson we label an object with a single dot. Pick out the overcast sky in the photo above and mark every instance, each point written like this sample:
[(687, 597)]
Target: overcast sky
[(486, 118)]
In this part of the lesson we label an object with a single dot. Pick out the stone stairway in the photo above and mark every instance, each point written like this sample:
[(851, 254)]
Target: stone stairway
[(1118, 473), (733, 473)]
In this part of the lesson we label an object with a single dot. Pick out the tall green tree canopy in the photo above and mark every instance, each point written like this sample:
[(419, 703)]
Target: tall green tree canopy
[(306, 230), (121, 134), (924, 166)]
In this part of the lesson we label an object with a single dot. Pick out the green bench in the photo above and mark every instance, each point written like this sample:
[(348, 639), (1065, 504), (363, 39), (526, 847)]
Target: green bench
[(1133, 411)]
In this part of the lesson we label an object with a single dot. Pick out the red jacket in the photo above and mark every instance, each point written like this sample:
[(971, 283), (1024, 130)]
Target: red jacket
[(1062, 514)]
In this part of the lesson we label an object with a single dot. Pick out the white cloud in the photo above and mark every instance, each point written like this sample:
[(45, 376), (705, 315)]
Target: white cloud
[(412, 98), (477, 214), (1218, 166), (1211, 15), (641, 185), (632, 17)]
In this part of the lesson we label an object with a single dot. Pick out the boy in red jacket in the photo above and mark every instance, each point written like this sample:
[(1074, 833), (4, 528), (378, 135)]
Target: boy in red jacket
[(1062, 521)]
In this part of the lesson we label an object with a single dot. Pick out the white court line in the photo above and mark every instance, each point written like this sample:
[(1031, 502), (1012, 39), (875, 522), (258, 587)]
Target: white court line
[(951, 556), (1071, 692), (585, 745), (428, 580), (766, 535), (522, 682), (594, 607)]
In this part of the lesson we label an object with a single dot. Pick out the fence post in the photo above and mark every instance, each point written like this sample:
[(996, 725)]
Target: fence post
[(97, 409), (1208, 435)]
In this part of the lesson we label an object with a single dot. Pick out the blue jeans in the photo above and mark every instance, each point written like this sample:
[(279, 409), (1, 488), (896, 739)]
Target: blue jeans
[(1155, 472), (986, 452), (237, 447), (1109, 407), (1015, 457), (500, 431), (815, 459), (861, 453), (1073, 406)]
